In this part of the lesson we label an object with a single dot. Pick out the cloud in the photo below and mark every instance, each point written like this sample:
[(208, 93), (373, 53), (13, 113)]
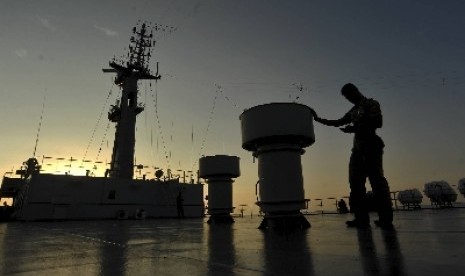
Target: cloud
[(106, 31), (22, 53), (46, 23)]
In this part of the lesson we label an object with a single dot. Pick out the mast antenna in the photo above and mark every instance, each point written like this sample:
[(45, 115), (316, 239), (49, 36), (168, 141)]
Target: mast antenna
[(129, 70), (136, 62)]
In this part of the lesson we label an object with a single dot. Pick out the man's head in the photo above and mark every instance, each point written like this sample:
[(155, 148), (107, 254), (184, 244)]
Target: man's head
[(351, 93)]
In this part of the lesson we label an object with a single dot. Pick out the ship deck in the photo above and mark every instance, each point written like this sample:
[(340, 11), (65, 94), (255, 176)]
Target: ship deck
[(425, 242)]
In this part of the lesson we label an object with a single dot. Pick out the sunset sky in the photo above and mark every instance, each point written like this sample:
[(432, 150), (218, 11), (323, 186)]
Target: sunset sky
[(224, 57)]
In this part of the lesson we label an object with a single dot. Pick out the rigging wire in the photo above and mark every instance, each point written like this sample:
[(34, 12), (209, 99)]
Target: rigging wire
[(97, 123), (192, 145), (160, 129), (210, 119), (40, 126), (148, 135), (220, 89), (299, 86), (208, 84), (102, 141)]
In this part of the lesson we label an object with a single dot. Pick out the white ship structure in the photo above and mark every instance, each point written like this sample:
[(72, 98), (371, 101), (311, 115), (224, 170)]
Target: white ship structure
[(462, 186), (410, 198), (440, 193), (116, 195)]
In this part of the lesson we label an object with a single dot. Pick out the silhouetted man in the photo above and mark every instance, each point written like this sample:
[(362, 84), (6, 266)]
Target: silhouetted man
[(179, 205), (342, 207), (367, 157)]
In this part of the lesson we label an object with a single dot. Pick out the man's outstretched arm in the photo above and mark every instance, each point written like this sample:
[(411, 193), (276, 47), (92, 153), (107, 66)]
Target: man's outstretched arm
[(346, 119)]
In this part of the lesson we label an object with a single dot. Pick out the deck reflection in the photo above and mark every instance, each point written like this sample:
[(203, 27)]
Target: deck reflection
[(221, 250), (424, 243), (373, 260), (287, 254)]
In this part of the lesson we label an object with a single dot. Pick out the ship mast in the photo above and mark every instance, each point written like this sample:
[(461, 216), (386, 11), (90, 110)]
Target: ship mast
[(125, 111)]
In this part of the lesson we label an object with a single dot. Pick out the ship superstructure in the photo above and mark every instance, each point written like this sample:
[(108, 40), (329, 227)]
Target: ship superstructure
[(45, 196)]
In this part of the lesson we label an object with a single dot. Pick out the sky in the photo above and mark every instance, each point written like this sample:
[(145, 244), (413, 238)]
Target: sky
[(224, 57)]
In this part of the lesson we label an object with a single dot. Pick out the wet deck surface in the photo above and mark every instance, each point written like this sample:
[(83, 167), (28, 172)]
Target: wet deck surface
[(426, 242)]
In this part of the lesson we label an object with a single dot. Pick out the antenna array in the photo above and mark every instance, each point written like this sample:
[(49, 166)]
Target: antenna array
[(140, 51)]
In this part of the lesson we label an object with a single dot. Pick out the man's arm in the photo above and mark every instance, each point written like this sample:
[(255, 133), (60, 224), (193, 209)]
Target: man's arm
[(346, 119)]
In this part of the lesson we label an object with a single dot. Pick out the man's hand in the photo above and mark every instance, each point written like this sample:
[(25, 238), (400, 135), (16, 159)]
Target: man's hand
[(348, 129)]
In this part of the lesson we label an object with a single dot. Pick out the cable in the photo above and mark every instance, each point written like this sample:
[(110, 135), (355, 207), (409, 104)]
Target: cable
[(40, 126), (210, 119), (97, 123), (102, 141), (160, 129)]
